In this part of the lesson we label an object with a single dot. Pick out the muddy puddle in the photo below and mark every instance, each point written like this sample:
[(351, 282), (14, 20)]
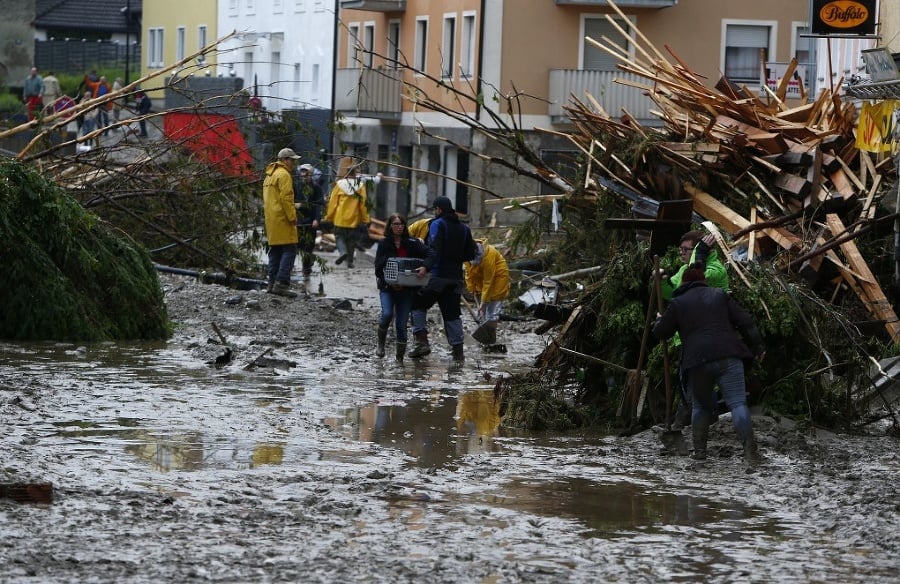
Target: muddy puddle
[(335, 466)]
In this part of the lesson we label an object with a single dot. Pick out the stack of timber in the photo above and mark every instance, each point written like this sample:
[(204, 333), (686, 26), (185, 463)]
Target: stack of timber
[(786, 182)]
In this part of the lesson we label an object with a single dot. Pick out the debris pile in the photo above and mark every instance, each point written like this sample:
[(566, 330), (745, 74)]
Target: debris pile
[(794, 197)]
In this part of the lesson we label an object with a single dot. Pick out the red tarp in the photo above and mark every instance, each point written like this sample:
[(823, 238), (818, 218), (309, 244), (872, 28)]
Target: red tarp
[(215, 139)]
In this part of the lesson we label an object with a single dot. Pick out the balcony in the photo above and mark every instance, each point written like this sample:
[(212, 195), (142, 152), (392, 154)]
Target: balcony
[(620, 3), (374, 5), (600, 84), (369, 93)]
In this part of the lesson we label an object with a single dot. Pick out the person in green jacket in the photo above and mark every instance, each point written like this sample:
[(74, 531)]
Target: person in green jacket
[(696, 249)]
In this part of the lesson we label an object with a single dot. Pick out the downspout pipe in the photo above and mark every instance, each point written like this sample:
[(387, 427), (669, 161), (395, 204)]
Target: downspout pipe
[(332, 147), (480, 66)]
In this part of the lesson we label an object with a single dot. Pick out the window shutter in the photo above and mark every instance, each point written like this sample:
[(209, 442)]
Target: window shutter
[(747, 36), (594, 58)]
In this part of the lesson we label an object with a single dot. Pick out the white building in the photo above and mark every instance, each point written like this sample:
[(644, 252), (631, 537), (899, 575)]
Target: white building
[(283, 50)]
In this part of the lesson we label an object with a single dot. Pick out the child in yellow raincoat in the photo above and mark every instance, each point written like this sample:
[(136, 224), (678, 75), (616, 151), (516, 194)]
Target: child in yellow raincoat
[(487, 277)]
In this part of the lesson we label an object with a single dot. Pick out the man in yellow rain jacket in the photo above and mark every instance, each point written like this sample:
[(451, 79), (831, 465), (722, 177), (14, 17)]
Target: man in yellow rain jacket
[(487, 277), (347, 209), (281, 221)]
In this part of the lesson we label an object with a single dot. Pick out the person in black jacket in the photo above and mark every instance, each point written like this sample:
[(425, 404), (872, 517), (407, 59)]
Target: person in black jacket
[(396, 301), (713, 353), (450, 244), (309, 201)]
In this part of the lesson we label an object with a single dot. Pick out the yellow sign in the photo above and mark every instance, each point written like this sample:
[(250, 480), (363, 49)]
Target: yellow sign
[(875, 130)]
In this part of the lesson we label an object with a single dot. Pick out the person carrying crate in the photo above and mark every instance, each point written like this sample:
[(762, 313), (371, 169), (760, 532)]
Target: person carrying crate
[(395, 291), (449, 244)]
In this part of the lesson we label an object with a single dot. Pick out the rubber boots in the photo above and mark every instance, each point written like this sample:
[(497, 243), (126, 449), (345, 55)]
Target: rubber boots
[(382, 338), (700, 431), (422, 347), (457, 352), (282, 289), (401, 350), (751, 453)]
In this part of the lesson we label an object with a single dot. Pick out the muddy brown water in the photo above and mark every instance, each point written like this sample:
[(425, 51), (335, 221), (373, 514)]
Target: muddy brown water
[(345, 468)]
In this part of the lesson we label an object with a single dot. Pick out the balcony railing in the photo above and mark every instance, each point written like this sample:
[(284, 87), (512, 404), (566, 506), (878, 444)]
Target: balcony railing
[(369, 93), (621, 3), (600, 84), (374, 5)]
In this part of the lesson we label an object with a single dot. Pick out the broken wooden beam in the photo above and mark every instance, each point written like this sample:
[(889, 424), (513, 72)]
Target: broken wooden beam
[(27, 492)]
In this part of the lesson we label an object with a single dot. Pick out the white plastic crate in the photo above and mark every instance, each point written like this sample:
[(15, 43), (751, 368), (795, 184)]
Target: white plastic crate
[(402, 272)]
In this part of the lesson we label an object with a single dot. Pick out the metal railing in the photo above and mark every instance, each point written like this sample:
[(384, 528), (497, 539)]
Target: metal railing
[(372, 93), (602, 86)]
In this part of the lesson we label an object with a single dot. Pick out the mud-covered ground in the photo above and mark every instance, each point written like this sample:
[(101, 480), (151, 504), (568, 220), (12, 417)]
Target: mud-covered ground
[(306, 459)]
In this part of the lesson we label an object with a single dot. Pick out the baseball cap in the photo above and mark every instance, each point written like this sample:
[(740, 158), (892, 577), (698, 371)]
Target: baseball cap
[(288, 153), (443, 203)]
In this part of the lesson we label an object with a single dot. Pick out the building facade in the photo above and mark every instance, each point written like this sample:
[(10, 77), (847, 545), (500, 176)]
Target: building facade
[(283, 49), (174, 30), (535, 49)]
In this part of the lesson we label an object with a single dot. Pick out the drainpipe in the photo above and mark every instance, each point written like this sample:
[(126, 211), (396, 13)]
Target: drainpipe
[(480, 67), (332, 147)]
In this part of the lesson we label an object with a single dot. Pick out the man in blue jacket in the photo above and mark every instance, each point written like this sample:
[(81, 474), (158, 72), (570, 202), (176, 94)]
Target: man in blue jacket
[(450, 244)]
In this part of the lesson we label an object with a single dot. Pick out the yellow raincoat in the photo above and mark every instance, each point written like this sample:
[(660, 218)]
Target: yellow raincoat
[(419, 229), (490, 278), (278, 203), (347, 203)]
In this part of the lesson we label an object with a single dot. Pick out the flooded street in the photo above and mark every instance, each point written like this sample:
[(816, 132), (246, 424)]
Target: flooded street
[(325, 464)]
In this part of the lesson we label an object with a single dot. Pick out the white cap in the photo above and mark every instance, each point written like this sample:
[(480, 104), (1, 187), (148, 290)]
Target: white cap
[(287, 153)]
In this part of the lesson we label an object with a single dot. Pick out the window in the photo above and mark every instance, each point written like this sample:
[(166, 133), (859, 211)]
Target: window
[(747, 48), (232, 6), (318, 6), (276, 6), (251, 8), (315, 83), (448, 46), (179, 43), (201, 36), (353, 46), (467, 47), (248, 69), (803, 45), (393, 40), (421, 43), (803, 50), (368, 44), (155, 50), (299, 5), (595, 59)]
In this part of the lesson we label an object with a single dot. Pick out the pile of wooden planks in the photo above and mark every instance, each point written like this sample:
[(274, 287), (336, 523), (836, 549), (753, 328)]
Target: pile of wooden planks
[(785, 181)]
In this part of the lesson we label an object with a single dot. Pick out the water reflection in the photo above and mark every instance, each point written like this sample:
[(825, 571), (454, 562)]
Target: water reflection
[(607, 509), (168, 451), (434, 430)]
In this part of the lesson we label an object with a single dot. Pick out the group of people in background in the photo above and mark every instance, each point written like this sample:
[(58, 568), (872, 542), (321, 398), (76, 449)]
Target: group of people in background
[(44, 95), (450, 256)]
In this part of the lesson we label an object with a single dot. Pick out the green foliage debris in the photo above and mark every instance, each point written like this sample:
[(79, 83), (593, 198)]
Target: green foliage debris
[(67, 276)]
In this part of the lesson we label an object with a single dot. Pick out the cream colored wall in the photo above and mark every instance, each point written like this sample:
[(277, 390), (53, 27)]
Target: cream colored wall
[(170, 15), (435, 12), (539, 36), (890, 24)]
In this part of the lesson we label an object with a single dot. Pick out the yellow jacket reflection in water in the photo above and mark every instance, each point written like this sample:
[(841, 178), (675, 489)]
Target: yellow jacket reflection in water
[(478, 412)]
